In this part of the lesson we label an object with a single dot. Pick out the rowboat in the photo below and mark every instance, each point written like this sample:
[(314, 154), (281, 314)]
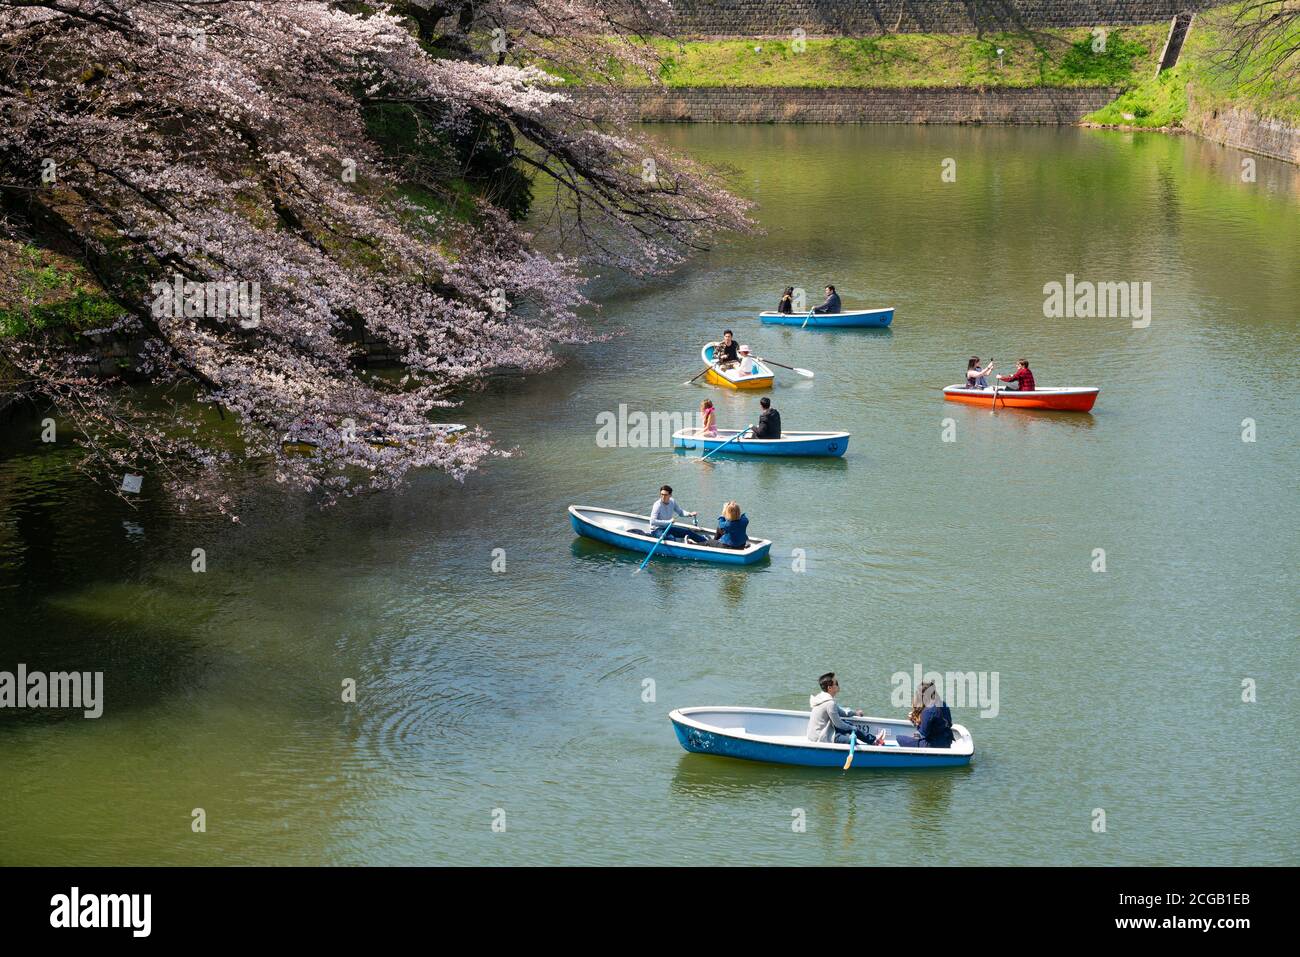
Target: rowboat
[(790, 443), (439, 432), (625, 530), (1056, 400), (852, 319), (781, 737), (733, 378)]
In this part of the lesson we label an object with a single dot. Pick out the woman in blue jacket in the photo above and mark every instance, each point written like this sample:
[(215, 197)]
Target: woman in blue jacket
[(934, 726), (732, 525)]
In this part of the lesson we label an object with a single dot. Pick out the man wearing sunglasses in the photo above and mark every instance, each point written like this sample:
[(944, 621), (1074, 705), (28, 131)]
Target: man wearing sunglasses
[(827, 721)]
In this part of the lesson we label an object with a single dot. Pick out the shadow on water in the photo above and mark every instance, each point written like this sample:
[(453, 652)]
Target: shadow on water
[(808, 463), (590, 550), (859, 801), (1024, 418), (788, 333), (141, 667)]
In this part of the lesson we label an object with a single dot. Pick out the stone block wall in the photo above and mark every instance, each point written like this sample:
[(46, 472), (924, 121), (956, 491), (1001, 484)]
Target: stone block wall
[(1242, 128), (764, 18), (858, 105)]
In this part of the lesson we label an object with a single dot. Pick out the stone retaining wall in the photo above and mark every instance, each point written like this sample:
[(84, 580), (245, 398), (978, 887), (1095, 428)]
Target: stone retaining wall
[(865, 105), (1242, 128), (762, 18)]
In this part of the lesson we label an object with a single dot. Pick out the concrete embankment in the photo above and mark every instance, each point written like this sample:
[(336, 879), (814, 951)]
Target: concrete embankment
[(1001, 105)]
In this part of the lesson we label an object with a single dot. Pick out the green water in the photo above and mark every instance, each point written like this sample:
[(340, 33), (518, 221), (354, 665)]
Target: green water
[(522, 689)]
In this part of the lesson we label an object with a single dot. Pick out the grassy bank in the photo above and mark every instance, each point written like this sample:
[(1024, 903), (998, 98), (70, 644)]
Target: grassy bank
[(1256, 84), (1058, 58), (41, 291)]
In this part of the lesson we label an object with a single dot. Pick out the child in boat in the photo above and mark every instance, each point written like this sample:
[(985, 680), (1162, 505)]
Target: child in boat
[(732, 526), (975, 376), (933, 725), (827, 721), (709, 417), (747, 364), (1022, 376), (786, 305)]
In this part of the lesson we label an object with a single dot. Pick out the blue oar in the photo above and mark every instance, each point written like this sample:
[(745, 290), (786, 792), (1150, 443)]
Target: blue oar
[(806, 318), (729, 441), (662, 536)]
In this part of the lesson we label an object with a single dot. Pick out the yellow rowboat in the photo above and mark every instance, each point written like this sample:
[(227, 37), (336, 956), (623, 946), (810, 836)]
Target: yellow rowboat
[(733, 378)]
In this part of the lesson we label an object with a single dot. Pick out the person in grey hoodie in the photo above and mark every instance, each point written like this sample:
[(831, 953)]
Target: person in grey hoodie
[(827, 721)]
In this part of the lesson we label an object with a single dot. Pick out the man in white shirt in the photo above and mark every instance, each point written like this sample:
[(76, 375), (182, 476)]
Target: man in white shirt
[(663, 511), (826, 721)]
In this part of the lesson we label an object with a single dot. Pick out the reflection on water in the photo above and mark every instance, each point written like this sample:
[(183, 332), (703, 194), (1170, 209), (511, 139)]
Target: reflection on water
[(501, 661)]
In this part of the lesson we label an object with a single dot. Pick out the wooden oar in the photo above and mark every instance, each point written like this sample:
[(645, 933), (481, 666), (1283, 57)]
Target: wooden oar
[(806, 373), (995, 397), (662, 536), (702, 371), (729, 441)]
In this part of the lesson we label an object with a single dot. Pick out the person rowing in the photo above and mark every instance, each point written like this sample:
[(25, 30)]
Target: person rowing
[(1023, 378), (832, 303), (726, 353), (662, 513), (826, 720), (769, 421)]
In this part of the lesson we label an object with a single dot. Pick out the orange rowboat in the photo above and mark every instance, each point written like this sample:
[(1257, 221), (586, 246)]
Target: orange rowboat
[(1054, 400)]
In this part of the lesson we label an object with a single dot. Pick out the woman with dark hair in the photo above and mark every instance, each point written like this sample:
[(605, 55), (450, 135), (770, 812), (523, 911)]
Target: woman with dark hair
[(786, 305), (975, 375), (932, 718)]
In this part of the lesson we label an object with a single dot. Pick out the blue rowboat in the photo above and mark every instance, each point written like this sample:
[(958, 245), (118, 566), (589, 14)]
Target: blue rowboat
[(853, 319), (781, 737), (790, 443), (632, 532)]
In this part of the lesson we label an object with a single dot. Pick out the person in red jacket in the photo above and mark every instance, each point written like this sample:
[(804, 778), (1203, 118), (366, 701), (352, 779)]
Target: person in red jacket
[(1022, 376)]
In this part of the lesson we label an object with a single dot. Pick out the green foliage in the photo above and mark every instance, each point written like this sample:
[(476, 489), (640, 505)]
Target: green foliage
[(452, 170), (1112, 66), (1159, 101), (1255, 83), (42, 293), (1265, 80), (1053, 58)]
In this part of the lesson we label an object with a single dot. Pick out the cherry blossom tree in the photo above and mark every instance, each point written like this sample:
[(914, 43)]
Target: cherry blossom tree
[(346, 173)]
